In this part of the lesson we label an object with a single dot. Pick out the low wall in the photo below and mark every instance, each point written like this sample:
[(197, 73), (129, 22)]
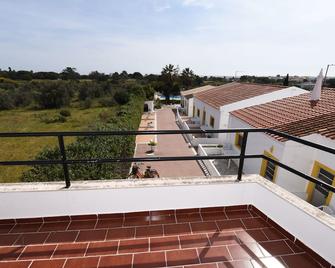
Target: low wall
[(315, 228), (208, 163)]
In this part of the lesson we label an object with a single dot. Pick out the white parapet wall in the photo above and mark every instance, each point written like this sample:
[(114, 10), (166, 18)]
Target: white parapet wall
[(208, 163), (310, 225)]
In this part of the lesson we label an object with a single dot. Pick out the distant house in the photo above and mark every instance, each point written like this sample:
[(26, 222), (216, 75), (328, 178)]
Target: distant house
[(294, 116), (212, 107), (187, 98)]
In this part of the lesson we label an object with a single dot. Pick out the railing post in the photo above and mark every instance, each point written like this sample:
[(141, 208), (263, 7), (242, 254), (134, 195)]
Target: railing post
[(242, 155), (65, 166)]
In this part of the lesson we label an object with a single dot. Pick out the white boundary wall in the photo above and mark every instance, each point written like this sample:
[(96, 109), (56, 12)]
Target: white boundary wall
[(315, 228), (208, 163)]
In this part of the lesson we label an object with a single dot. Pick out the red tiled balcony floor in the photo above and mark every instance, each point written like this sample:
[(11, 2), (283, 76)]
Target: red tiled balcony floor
[(238, 236)]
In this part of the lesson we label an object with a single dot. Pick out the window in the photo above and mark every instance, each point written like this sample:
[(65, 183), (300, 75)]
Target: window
[(193, 112), (268, 168), (238, 139), (316, 194), (198, 113), (211, 121), (203, 117)]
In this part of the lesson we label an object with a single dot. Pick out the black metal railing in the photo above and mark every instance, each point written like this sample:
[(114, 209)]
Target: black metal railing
[(242, 156)]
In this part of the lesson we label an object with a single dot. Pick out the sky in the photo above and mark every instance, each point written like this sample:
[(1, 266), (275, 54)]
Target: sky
[(212, 37)]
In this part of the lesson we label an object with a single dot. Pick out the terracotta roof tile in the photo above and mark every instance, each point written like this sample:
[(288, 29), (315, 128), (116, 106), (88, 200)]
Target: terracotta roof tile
[(233, 92), (192, 91), (294, 115)]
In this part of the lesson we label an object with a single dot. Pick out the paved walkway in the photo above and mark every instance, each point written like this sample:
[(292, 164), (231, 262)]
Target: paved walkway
[(170, 145)]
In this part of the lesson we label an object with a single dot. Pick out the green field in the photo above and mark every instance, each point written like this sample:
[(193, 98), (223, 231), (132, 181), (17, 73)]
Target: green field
[(21, 120)]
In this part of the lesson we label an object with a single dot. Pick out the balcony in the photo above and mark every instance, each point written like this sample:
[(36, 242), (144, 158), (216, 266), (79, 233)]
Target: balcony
[(230, 221)]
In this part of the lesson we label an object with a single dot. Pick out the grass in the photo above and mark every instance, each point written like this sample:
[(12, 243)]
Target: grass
[(21, 120)]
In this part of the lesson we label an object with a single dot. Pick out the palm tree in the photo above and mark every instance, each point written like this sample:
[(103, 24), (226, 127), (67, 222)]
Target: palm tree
[(169, 78), (187, 77)]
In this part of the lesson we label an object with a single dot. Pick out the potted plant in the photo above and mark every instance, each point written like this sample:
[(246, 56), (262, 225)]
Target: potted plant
[(152, 145)]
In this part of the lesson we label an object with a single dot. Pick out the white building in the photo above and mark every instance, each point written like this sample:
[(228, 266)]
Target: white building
[(294, 116), (187, 98), (212, 107)]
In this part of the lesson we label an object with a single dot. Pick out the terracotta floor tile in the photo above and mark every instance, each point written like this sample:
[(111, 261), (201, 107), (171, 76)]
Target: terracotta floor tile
[(230, 225), (201, 227), (91, 235), (223, 238), (206, 265), (182, 257), (29, 220), (109, 223), (32, 239), (249, 236), (62, 237), (299, 261), (245, 251), (238, 264), (5, 228), (37, 252), (133, 245), (275, 248), (70, 250), (137, 214), (54, 226), (211, 209), (10, 253), (275, 262), (273, 234), (193, 241), (294, 247), (187, 211), (238, 214), (82, 225), (149, 260), (26, 227), (213, 254), (212, 216), (48, 263), (111, 216), (164, 243), (190, 217), (102, 248), (118, 261), (253, 223), (177, 229), (120, 233), (57, 219), (149, 231), (90, 217), (91, 262), (16, 264), (8, 239), (237, 207), (137, 221), (162, 212), (163, 219)]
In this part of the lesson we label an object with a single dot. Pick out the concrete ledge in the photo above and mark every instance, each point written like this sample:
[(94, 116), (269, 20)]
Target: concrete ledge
[(310, 225)]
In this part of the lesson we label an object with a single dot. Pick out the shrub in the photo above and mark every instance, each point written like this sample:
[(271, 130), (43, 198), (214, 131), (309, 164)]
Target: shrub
[(87, 103), (107, 102), (52, 119), (65, 113), (121, 97)]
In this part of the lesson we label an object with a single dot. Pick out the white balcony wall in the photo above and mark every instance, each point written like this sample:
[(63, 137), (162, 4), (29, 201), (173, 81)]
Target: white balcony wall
[(299, 218), (208, 163)]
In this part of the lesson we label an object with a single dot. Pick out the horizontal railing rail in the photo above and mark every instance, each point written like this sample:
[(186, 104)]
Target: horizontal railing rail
[(241, 157)]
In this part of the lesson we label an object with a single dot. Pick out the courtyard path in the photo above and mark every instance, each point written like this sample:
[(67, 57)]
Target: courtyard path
[(170, 145)]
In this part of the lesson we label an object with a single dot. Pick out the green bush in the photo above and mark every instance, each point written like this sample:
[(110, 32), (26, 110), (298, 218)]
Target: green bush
[(107, 102), (121, 97), (87, 103), (65, 113), (98, 147), (45, 118)]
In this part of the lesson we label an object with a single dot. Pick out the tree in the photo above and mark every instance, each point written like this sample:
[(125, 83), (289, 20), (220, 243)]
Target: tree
[(121, 97), (53, 95), (69, 73), (286, 80), (187, 78), (169, 78), (95, 75)]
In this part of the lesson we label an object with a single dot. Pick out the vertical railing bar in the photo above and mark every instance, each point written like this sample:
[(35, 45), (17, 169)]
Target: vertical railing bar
[(242, 155), (65, 165)]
